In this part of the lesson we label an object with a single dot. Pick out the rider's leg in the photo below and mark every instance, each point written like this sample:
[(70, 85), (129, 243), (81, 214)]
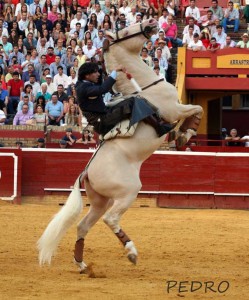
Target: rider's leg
[(159, 125), (133, 108)]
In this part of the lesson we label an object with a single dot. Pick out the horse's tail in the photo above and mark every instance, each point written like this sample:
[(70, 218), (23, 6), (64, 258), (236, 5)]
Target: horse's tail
[(61, 222)]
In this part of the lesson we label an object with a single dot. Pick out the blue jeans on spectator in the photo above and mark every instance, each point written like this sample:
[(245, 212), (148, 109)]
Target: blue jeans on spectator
[(12, 104), (175, 42), (226, 22)]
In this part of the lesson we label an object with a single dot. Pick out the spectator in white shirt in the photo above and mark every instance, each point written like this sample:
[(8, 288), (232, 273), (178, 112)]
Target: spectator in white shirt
[(165, 50), (100, 14), (188, 37), (246, 139), (196, 44), (220, 35), (171, 7), (19, 6), (72, 79), (89, 50), (163, 18), (191, 22), (61, 78), (55, 2), (131, 16), (139, 18), (78, 19), (3, 32), (35, 85), (192, 11), (2, 117), (125, 9), (23, 23), (156, 69), (25, 64), (42, 47), (51, 87)]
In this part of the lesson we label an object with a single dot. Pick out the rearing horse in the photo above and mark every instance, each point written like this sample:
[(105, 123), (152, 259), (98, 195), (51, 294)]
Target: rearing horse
[(112, 179)]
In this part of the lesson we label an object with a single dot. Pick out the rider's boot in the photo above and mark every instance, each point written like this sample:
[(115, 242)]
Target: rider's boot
[(158, 124)]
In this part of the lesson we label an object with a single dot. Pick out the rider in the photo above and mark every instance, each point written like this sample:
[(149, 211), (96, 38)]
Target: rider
[(103, 118)]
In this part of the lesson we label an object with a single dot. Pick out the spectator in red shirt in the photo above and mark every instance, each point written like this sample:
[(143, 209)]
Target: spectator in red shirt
[(205, 37), (15, 88), (15, 65), (213, 46), (154, 4), (4, 84), (83, 3), (50, 57)]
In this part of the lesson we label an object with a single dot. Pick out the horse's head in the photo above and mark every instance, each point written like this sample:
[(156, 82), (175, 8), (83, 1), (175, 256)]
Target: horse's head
[(132, 37)]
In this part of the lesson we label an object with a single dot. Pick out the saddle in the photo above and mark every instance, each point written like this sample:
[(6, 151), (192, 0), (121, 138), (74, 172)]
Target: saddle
[(121, 129), (126, 128)]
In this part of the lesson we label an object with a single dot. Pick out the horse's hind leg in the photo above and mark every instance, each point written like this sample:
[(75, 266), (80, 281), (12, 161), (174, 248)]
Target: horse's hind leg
[(99, 205), (112, 218), (190, 118)]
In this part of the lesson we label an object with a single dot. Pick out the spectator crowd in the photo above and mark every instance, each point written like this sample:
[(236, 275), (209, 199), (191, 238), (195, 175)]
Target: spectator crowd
[(44, 43)]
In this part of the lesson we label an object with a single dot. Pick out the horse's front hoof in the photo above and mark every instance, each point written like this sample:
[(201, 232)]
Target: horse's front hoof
[(82, 266), (132, 258)]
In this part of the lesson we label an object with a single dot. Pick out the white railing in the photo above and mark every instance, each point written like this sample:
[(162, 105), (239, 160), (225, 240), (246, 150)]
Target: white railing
[(15, 165)]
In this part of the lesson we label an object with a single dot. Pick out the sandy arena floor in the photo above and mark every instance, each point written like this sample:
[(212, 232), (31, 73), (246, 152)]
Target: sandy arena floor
[(173, 245)]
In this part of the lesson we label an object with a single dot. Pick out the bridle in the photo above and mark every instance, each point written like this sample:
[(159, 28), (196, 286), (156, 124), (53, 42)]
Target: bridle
[(145, 31)]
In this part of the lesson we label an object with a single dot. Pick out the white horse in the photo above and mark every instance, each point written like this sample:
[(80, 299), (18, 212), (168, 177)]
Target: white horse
[(112, 179)]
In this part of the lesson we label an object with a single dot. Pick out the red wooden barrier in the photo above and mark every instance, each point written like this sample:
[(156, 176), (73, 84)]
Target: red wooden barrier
[(25, 134), (213, 70), (53, 168), (220, 70), (10, 174), (207, 3), (178, 179)]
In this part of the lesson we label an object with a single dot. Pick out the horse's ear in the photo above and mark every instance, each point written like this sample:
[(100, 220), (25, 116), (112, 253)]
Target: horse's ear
[(109, 36)]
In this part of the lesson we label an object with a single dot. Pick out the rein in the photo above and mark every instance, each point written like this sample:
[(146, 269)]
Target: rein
[(150, 85), (145, 31)]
